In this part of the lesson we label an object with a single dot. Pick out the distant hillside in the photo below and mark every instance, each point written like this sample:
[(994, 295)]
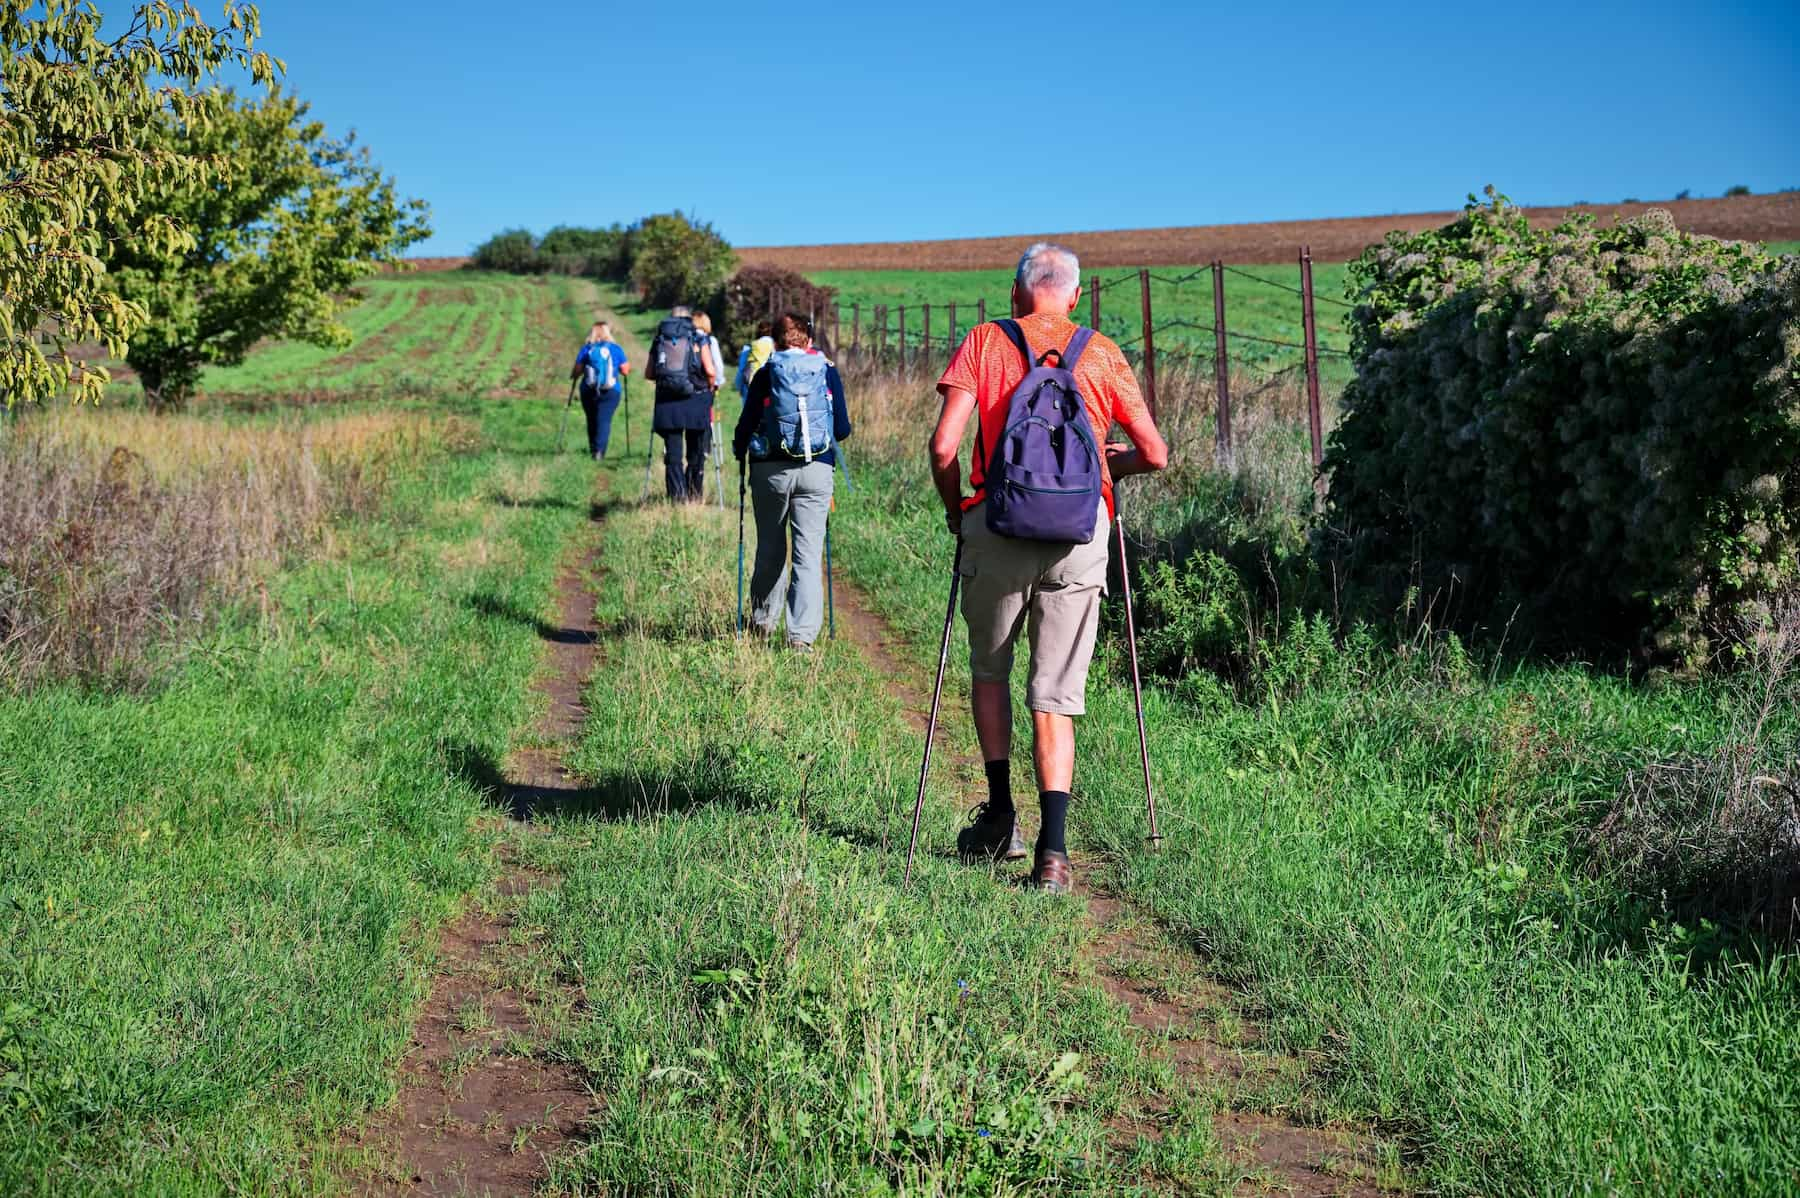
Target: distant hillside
[(1774, 217)]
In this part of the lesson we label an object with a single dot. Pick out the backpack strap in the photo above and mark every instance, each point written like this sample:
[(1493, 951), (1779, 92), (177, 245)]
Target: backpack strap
[(1016, 335), (1077, 344)]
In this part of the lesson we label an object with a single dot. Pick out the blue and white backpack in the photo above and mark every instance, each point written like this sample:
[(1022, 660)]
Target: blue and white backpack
[(797, 416), (598, 370)]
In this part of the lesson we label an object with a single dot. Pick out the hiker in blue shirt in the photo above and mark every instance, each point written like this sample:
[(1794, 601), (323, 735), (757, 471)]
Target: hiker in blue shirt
[(791, 482), (601, 366)]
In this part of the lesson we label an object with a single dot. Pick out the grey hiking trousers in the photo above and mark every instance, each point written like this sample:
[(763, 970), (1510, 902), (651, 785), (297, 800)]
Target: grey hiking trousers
[(788, 496)]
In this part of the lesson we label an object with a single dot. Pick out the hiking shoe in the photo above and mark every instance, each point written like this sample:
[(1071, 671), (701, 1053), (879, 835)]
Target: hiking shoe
[(1050, 872), (991, 836), (799, 646)]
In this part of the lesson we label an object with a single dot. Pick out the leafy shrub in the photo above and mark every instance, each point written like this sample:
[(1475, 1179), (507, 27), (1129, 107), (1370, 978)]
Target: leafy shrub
[(1737, 189), (677, 261), (1597, 429), (1197, 617), (752, 293), (596, 253), (514, 250)]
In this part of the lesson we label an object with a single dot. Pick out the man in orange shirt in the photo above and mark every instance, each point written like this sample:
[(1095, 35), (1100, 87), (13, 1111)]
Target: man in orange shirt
[(1050, 590)]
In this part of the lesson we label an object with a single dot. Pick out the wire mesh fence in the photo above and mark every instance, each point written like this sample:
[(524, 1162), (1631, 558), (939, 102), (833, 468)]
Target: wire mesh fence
[(921, 335)]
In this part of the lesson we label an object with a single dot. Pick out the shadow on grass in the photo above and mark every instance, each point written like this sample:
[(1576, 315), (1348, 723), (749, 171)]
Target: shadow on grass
[(634, 796), (537, 503), (503, 609)]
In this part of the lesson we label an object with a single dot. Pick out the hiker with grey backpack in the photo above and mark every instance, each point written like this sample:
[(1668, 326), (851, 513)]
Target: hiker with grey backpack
[(1031, 550), (786, 440)]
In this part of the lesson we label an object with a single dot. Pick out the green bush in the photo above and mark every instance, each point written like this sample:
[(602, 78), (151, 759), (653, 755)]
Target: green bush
[(677, 261), (514, 250), (596, 253), (1594, 432)]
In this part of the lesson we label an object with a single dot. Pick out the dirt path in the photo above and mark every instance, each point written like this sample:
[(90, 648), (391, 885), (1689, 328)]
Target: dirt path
[(1186, 1019), (481, 1106)]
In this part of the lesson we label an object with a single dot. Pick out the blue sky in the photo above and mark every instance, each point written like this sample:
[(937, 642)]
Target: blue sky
[(881, 122)]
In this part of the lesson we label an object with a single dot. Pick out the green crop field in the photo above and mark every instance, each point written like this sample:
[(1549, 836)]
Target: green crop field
[(1375, 949), (424, 333)]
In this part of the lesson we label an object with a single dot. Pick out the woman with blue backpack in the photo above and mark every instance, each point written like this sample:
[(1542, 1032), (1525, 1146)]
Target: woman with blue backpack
[(794, 416), (601, 366)]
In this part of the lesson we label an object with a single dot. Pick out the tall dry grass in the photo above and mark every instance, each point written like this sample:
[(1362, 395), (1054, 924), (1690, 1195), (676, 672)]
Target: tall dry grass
[(123, 533)]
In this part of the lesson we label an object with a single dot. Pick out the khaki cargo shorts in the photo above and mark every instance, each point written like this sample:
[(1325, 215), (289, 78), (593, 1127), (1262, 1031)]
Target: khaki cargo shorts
[(1050, 591)]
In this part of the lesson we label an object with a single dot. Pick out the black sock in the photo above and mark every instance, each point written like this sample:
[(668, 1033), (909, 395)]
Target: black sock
[(1055, 804), (1000, 785)]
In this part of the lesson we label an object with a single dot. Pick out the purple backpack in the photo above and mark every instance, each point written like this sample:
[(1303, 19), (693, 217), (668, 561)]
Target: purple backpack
[(1043, 478)]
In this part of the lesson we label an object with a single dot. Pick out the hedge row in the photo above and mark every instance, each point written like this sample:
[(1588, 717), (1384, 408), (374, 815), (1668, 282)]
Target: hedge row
[(1594, 432)]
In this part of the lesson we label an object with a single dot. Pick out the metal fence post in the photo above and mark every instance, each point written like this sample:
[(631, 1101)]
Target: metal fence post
[(1221, 367), (901, 334), (1094, 304), (856, 326), (1149, 345), (881, 344), (1312, 361), (950, 337), (837, 319), (780, 304), (925, 337), (981, 310)]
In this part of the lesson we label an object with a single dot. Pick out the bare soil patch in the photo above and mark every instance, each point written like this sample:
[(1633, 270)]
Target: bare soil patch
[(482, 1106), (1186, 1018), (1741, 218)]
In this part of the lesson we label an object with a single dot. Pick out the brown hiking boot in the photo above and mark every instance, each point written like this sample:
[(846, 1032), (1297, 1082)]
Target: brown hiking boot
[(1050, 872), (991, 836)]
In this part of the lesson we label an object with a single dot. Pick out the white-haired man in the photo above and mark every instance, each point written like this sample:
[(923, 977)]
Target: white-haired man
[(1050, 590)]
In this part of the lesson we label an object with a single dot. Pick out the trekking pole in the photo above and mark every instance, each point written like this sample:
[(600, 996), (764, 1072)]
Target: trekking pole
[(718, 464), (1137, 685), (562, 431), (740, 607), (937, 695), (649, 462)]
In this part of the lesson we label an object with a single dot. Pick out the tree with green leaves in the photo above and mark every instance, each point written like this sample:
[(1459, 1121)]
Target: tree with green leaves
[(675, 260), (75, 170), (274, 254)]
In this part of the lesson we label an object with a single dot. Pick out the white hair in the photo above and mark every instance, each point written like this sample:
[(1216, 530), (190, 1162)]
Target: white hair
[(680, 310), (1048, 267)]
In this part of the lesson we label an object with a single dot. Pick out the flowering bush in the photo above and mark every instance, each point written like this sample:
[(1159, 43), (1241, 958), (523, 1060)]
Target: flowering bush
[(1594, 429)]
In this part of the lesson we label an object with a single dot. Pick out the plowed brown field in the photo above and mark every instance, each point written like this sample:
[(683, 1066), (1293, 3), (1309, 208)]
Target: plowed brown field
[(1744, 218)]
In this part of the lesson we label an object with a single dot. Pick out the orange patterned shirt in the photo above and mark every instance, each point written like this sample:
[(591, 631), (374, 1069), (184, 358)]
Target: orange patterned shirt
[(989, 365)]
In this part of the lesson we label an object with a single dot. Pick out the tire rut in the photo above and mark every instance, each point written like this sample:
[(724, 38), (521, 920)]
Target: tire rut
[(1180, 1013), (482, 1107)]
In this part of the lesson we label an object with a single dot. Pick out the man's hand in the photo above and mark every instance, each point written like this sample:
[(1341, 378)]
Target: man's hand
[(953, 515)]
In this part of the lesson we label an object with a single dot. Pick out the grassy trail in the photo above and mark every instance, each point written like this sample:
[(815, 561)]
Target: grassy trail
[(765, 1011)]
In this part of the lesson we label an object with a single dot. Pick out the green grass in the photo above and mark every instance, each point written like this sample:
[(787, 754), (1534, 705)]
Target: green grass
[(765, 1010), (1784, 247), (1251, 308), (217, 901), (1388, 855)]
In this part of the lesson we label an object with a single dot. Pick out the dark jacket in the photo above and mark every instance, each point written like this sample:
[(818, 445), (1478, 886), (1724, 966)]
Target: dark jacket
[(674, 412), (758, 400)]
